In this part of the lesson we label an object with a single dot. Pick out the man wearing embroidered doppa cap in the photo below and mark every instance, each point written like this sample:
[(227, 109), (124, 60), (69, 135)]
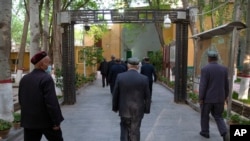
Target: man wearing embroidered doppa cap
[(131, 98), (40, 110)]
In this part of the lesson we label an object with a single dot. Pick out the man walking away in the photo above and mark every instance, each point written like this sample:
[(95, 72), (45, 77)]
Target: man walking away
[(40, 110), (131, 98), (149, 70), (213, 92), (104, 72), (110, 64), (114, 71)]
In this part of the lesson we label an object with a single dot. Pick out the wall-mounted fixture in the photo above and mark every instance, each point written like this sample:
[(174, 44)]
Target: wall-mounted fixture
[(167, 21), (86, 27)]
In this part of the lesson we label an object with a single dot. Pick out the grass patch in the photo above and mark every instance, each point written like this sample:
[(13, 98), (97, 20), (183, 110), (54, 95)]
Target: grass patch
[(235, 96), (237, 80)]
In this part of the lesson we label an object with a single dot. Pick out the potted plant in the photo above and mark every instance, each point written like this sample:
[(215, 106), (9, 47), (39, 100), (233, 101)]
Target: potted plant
[(4, 128), (17, 120)]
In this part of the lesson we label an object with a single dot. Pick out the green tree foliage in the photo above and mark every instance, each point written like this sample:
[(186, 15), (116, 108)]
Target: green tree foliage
[(91, 55), (97, 31), (156, 59), (18, 13)]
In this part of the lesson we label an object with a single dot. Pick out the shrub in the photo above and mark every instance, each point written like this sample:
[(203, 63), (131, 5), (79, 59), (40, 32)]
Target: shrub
[(17, 117), (4, 125), (194, 97), (235, 118)]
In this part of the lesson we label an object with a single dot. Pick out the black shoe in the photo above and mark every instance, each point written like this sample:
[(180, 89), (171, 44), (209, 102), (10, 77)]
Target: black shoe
[(204, 135)]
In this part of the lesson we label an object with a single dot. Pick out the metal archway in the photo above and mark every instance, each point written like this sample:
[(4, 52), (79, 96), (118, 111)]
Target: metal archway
[(67, 19)]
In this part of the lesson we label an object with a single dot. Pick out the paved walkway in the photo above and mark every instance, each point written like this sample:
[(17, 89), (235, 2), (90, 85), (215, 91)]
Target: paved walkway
[(91, 118)]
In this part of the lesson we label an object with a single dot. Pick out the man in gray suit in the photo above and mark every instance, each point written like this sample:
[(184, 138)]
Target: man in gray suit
[(213, 92), (131, 97)]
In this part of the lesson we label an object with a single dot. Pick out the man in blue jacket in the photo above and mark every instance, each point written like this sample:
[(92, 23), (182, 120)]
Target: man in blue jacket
[(213, 92), (148, 70), (113, 72)]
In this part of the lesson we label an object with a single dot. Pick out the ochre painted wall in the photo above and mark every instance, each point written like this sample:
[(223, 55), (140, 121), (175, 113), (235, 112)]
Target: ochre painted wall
[(111, 42), (111, 45), (169, 36), (80, 63), (14, 57)]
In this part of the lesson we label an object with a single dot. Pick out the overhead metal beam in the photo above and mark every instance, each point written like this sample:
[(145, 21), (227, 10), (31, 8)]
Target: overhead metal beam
[(128, 16)]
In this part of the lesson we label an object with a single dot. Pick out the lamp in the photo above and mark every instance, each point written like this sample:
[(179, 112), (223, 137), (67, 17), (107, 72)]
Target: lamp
[(86, 27), (167, 21)]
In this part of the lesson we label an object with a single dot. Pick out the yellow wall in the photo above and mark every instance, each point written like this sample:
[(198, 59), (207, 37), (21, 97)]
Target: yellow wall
[(80, 64), (26, 61), (221, 43), (110, 45), (88, 40), (111, 42), (169, 36)]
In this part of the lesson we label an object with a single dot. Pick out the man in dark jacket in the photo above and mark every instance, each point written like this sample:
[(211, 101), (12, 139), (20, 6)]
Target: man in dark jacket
[(104, 72), (111, 63), (131, 97), (213, 92), (114, 71), (40, 110), (149, 70)]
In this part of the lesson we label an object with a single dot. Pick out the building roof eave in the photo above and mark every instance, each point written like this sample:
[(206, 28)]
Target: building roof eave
[(220, 30)]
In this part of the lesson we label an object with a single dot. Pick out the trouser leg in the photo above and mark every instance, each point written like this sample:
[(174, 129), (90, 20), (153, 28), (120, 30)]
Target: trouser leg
[(150, 86), (217, 111), (53, 135), (112, 87), (103, 80), (135, 129), (125, 125), (205, 110), (130, 129), (32, 134), (106, 79)]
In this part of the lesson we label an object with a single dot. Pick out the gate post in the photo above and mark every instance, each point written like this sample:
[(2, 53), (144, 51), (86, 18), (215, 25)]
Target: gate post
[(180, 93), (68, 65)]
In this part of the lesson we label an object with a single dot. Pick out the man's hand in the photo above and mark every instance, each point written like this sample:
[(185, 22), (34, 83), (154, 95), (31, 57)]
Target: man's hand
[(201, 102), (56, 127), (226, 100)]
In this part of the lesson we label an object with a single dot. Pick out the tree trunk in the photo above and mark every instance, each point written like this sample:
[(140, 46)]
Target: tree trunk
[(22, 50), (56, 43), (244, 86), (201, 4), (6, 94), (234, 45), (46, 27), (34, 29)]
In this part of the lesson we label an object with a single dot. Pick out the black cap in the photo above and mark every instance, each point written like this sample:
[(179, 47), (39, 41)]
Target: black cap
[(133, 61), (212, 53)]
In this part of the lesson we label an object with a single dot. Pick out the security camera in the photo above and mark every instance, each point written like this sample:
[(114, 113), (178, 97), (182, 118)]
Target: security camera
[(167, 21), (86, 27)]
